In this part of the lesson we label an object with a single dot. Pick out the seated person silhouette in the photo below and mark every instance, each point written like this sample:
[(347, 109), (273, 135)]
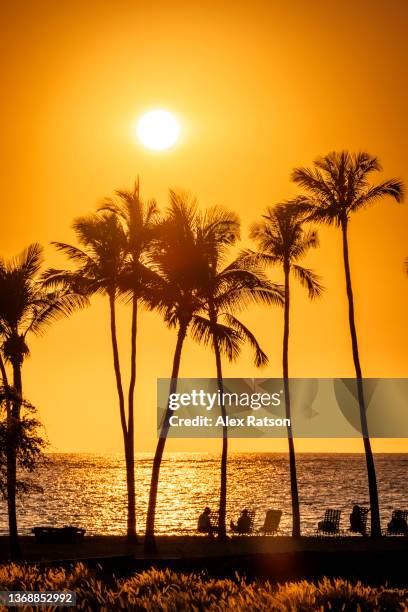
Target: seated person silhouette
[(356, 522), (204, 522), (398, 524), (243, 523)]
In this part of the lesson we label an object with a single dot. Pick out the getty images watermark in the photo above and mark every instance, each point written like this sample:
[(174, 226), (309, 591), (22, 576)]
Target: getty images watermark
[(256, 408), (199, 398)]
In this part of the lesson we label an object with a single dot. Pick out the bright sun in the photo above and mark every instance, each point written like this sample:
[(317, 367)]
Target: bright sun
[(158, 130)]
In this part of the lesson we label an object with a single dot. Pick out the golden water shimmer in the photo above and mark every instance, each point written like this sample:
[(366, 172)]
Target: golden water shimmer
[(90, 490)]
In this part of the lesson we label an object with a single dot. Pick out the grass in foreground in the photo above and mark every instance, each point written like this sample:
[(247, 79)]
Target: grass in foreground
[(156, 590)]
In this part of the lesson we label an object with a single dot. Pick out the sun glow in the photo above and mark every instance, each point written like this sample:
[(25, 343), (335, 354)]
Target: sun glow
[(158, 130)]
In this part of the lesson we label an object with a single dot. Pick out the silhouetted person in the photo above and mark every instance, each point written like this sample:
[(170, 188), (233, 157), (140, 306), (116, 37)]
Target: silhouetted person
[(204, 522), (398, 524), (243, 523), (356, 521)]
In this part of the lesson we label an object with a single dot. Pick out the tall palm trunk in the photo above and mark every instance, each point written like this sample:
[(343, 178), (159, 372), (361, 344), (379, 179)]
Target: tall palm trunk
[(222, 513), (130, 447), (292, 457), (15, 550), (11, 467), (150, 545), (372, 479), (119, 386)]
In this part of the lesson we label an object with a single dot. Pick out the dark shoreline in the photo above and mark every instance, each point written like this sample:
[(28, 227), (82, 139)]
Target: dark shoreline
[(375, 562)]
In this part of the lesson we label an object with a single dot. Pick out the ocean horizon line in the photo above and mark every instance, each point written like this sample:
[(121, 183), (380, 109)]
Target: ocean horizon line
[(216, 453)]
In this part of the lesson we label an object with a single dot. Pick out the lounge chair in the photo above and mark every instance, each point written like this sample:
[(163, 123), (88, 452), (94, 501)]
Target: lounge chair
[(58, 534), (251, 516), (330, 525), (272, 521), (361, 520), (399, 527)]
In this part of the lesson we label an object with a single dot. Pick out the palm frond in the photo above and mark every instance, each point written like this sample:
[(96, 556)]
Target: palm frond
[(56, 306), (259, 258), (306, 241), (74, 253), (260, 358), (28, 261), (308, 279), (392, 187), (314, 182), (205, 332)]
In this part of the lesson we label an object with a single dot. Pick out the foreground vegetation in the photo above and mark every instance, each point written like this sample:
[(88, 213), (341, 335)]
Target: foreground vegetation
[(167, 590)]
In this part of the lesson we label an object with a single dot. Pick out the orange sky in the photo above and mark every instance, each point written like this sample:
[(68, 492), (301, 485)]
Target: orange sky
[(259, 87)]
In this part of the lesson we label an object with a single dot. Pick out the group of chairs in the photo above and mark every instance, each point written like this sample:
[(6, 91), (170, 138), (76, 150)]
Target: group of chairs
[(271, 522), (270, 526), (330, 525)]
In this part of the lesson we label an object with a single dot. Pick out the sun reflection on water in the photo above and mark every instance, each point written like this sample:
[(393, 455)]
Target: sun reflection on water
[(90, 490)]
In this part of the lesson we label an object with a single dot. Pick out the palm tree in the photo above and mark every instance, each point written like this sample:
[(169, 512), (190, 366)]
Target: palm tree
[(177, 257), (282, 240), (25, 436), (25, 308), (185, 240), (111, 254), (226, 290), (139, 223), (337, 186)]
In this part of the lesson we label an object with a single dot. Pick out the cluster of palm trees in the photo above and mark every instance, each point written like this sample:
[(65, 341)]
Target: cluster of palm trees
[(179, 264), (26, 308)]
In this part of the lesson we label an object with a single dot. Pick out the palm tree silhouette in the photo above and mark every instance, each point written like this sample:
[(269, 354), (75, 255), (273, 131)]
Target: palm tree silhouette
[(178, 264), (185, 242), (26, 307), (282, 240), (226, 290), (139, 222), (100, 267), (336, 187)]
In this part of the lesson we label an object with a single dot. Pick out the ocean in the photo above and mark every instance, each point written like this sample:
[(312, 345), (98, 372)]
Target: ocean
[(90, 490)]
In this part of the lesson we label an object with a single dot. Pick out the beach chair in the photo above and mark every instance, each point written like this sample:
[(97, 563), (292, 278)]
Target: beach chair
[(330, 525), (362, 519), (58, 534), (251, 515), (401, 514), (215, 522), (272, 521)]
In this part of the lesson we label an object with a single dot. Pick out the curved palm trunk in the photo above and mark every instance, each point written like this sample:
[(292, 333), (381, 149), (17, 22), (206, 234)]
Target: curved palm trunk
[(150, 545), (11, 467), (3, 372), (292, 456), (222, 513), (371, 475), (130, 446)]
